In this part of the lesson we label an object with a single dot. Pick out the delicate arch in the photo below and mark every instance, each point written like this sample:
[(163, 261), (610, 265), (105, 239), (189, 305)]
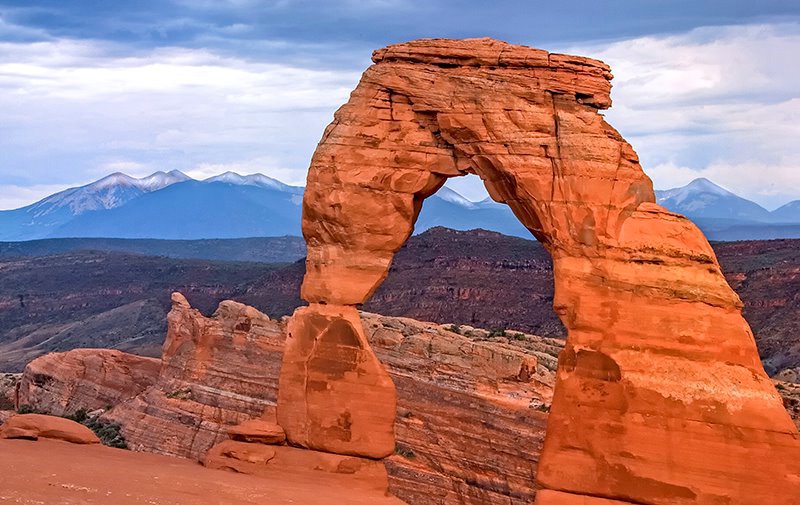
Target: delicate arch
[(657, 349)]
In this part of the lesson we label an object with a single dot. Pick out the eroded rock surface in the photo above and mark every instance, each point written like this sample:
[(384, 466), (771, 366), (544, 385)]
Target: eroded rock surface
[(657, 349), (471, 410), (35, 426), (216, 372), (8, 390), (62, 383)]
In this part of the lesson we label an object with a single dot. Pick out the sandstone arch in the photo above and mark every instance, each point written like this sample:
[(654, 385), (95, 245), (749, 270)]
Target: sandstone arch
[(660, 398)]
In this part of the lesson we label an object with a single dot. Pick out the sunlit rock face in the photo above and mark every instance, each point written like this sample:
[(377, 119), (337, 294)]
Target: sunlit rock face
[(660, 396)]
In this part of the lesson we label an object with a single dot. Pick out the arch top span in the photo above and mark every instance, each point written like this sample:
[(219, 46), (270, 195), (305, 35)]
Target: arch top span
[(525, 120), (657, 349)]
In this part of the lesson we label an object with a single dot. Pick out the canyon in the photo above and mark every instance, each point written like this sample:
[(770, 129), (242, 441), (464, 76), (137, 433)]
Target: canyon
[(476, 278)]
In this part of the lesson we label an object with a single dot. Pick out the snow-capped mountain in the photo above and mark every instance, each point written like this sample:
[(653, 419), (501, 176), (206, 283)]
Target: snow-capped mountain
[(449, 195), (194, 210), (789, 213), (43, 217), (174, 206), (702, 199), (255, 180), (120, 206), (111, 191)]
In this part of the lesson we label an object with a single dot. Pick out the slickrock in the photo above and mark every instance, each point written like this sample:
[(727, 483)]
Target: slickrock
[(660, 396), (217, 372), (258, 431), (471, 409), (49, 472), (61, 383), (35, 426), (264, 460)]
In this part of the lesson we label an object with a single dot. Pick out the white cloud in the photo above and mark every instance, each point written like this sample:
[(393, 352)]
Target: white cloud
[(71, 110), (716, 102), (719, 102)]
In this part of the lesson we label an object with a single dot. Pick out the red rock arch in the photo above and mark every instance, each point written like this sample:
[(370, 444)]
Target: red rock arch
[(660, 395)]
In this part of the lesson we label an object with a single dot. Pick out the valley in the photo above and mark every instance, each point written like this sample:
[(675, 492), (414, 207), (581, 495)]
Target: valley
[(119, 300)]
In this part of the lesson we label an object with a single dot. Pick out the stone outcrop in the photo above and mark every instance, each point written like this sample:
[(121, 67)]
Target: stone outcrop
[(62, 383), (216, 373), (657, 349), (8, 390), (35, 426), (50, 472), (258, 431), (471, 412)]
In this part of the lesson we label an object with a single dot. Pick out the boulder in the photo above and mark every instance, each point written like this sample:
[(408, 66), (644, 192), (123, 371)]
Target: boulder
[(258, 431), (34, 426), (90, 379)]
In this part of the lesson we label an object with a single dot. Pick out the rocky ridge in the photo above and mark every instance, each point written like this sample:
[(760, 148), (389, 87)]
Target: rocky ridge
[(469, 399), (221, 371), (657, 347)]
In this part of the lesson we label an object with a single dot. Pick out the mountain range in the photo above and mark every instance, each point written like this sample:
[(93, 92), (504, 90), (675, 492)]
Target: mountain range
[(174, 206)]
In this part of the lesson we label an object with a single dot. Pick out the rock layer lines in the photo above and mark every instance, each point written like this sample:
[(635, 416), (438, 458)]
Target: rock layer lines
[(660, 395)]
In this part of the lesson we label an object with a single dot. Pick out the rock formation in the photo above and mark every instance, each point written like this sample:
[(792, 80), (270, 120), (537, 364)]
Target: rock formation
[(8, 390), (51, 472), (471, 411), (62, 383), (660, 395), (216, 372), (35, 426), (334, 394)]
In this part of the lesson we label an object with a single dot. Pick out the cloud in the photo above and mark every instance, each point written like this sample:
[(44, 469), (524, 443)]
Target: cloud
[(263, 165), (73, 109), (720, 102)]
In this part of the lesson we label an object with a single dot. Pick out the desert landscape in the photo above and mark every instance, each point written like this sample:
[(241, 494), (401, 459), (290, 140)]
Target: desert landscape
[(576, 331)]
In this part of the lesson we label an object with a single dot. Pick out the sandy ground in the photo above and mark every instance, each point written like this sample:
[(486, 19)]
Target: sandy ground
[(53, 473)]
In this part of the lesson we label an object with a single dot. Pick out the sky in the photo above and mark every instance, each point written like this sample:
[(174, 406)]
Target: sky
[(91, 87)]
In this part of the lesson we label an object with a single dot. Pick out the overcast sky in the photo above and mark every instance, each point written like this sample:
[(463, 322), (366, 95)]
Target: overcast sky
[(701, 88)]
